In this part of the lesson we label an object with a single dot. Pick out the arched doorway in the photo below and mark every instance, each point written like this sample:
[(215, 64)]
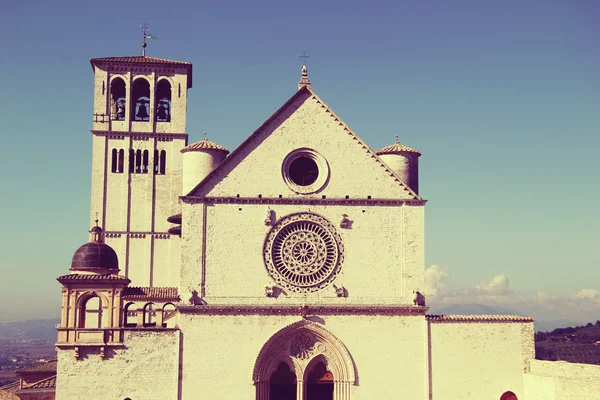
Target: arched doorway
[(319, 363), (319, 384), (282, 384), (509, 396)]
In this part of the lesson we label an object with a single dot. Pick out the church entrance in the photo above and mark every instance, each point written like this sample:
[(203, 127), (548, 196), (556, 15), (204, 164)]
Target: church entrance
[(319, 383), (283, 383)]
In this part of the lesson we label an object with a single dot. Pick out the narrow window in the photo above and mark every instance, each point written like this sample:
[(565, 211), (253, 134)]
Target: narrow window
[(121, 161), (145, 163), (282, 383), (163, 101), (509, 396), (91, 313), (131, 160), (113, 164), (117, 99), (155, 162), (163, 162), (141, 100), (138, 162)]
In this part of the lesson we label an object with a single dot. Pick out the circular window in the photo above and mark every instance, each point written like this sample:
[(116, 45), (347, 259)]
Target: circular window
[(305, 171), (303, 253)]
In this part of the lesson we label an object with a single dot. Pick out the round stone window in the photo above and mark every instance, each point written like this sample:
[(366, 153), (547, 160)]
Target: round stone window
[(305, 171), (303, 252)]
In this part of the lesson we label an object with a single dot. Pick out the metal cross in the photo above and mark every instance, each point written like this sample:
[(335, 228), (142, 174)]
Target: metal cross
[(144, 27), (303, 57)]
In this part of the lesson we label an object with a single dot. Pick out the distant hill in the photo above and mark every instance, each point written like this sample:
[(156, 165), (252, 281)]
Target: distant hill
[(39, 329), (481, 309), (577, 344)]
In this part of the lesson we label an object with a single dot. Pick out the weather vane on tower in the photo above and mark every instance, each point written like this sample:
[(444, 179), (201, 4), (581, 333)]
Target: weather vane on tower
[(146, 35)]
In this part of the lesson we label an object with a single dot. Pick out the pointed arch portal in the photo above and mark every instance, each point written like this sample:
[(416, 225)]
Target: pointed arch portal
[(304, 361)]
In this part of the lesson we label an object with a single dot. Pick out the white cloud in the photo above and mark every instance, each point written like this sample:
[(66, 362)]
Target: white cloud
[(582, 306), (434, 279), (588, 294)]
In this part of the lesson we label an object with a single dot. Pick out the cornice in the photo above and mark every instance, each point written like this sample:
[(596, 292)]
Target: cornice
[(304, 201), (302, 310), (140, 135)]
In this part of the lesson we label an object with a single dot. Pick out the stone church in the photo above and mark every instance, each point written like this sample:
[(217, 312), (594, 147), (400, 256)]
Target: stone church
[(291, 268)]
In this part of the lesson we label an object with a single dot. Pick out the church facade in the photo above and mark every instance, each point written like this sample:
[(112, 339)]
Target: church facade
[(292, 268)]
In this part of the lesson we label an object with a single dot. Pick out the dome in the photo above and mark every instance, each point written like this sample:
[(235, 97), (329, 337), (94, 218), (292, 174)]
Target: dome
[(95, 256), (397, 148), (203, 145)]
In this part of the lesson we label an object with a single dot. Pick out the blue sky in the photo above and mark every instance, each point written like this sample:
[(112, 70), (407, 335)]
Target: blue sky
[(502, 98)]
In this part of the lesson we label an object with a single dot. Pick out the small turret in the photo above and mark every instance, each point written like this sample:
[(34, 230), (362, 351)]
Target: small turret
[(404, 161), (95, 257), (199, 160)]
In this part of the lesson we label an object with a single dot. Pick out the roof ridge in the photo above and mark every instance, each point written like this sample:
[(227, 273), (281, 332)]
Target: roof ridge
[(333, 114)]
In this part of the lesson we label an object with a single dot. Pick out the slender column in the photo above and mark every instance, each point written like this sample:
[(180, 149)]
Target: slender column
[(160, 317), (300, 392), (341, 390)]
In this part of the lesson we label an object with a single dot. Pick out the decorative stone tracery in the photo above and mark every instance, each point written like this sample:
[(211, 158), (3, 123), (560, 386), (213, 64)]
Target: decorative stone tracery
[(302, 345), (303, 252)]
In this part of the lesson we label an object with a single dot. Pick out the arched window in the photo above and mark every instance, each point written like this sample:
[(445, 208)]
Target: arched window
[(114, 161), (131, 161), (282, 383), (117, 99), (319, 383), (141, 100), (149, 315), (163, 162), (155, 162), (145, 162), (169, 316), (138, 162), (509, 396), (163, 101), (121, 160), (91, 313), (130, 316)]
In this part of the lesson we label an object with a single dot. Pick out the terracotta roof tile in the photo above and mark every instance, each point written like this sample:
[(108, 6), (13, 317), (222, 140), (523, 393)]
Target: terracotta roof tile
[(44, 383), (203, 144), (11, 387), (397, 148), (478, 318), (138, 60), (47, 366), (150, 294)]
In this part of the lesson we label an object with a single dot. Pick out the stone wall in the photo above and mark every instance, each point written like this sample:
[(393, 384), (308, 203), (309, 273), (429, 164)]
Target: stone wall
[(478, 360), (147, 367), (561, 380)]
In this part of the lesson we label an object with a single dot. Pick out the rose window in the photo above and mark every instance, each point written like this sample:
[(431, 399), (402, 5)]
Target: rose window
[(303, 252)]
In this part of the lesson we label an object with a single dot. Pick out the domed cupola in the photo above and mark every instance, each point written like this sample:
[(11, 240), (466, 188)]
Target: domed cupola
[(404, 161), (199, 160), (95, 256)]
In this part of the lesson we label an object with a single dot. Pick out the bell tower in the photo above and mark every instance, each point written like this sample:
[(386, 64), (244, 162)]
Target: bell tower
[(139, 128)]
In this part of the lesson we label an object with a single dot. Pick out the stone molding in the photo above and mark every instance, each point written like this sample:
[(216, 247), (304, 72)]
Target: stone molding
[(477, 318), (302, 310), (301, 201), (141, 135)]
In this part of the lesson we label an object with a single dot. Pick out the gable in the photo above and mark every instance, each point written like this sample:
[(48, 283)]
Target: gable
[(258, 165)]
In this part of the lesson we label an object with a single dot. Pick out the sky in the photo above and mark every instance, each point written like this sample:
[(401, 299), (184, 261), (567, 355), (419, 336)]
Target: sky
[(502, 98)]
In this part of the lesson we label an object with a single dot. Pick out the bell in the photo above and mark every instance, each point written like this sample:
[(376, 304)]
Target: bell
[(142, 113), (161, 113)]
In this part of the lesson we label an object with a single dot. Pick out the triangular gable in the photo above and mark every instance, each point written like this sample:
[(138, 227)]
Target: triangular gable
[(275, 122)]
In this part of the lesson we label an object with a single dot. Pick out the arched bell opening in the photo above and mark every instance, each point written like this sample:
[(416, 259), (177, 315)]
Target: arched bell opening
[(163, 101), (319, 382), (130, 315), (283, 383), (140, 105), (118, 99)]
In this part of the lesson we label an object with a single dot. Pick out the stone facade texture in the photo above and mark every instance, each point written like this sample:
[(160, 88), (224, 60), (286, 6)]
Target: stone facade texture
[(235, 320)]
